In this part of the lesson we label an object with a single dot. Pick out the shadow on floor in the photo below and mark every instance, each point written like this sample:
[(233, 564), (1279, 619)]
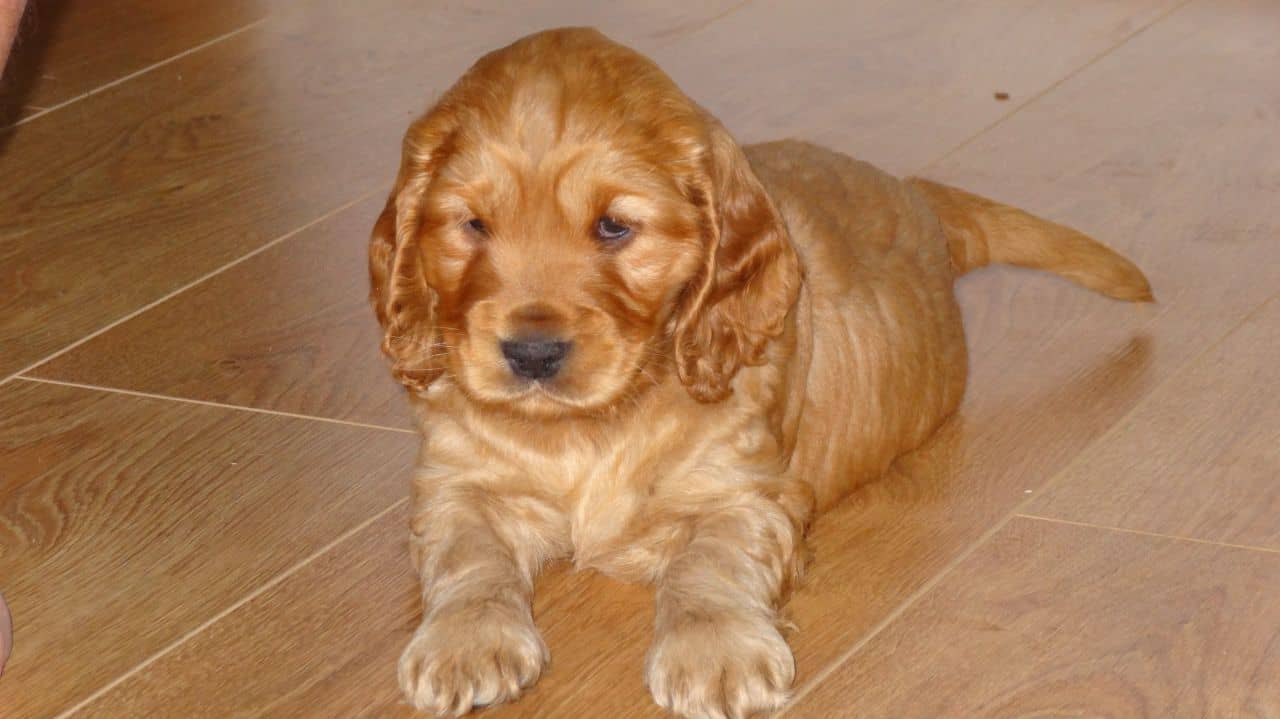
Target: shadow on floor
[(40, 26)]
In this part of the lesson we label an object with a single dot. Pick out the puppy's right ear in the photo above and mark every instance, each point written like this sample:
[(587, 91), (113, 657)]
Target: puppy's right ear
[(750, 282), (401, 297)]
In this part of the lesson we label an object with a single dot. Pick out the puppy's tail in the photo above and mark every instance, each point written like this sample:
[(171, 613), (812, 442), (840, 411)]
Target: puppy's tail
[(980, 232)]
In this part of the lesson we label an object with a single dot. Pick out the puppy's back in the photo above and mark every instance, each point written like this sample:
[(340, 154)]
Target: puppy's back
[(888, 359)]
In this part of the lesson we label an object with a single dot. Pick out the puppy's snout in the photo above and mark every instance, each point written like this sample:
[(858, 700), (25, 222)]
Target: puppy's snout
[(535, 359)]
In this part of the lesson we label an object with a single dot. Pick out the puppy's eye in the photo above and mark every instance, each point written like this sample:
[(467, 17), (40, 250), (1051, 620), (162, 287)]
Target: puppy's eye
[(610, 230), (477, 226)]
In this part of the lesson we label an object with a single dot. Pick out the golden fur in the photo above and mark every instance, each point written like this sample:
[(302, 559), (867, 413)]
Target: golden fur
[(778, 327)]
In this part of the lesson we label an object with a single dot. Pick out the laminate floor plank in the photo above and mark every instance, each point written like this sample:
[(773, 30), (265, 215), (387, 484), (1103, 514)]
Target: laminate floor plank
[(1174, 174), (741, 60), (134, 193), (1199, 459), (66, 49), (1054, 620), (126, 523), (1161, 147), (288, 330)]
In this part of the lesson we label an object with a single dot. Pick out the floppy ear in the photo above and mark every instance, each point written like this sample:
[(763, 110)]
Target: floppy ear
[(401, 298), (750, 280)]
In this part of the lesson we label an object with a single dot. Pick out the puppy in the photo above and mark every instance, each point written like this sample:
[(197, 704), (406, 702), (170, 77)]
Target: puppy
[(631, 342)]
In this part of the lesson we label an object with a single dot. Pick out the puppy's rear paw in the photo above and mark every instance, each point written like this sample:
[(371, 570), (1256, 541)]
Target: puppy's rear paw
[(465, 660), (720, 667)]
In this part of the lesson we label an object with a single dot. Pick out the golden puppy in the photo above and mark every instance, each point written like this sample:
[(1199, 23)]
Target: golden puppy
[(630, 342)]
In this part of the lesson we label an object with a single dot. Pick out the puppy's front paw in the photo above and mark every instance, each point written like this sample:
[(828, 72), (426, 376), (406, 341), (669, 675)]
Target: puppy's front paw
[(720, 667), (469, 659)]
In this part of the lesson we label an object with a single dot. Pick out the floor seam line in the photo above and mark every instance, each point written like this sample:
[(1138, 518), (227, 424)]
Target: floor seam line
[(193, 283), (207, 403), (890, 618), (219, 616), (1048, 89), (1016, 511), (1145, 533), (136, 73)]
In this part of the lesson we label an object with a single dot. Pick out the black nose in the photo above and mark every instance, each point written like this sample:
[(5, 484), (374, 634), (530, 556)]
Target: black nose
[(537, 359)]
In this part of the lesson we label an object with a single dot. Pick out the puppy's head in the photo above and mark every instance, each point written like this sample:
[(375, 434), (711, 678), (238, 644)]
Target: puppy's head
[(565, 225)]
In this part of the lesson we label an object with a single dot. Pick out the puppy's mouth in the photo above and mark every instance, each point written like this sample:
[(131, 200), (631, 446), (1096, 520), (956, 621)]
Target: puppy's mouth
[(556, 395), (545, 391), (549, 398)]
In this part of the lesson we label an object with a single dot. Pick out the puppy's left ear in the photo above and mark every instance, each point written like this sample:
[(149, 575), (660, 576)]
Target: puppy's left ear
[(749, 282)]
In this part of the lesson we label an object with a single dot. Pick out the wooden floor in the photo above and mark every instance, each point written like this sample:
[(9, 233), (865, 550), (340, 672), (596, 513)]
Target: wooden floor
[(204, 465)]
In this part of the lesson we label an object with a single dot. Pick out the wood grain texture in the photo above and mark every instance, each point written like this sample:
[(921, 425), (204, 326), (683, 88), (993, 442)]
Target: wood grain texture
[(69, 48), (870, 553), (864, 90), (1050, 620), (323, 640), (290, 330), (1164, 148), (327, 655), (1200, 458), (126, 522), (137, 191), (894, 83), (1052, 367), (598, 630)]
